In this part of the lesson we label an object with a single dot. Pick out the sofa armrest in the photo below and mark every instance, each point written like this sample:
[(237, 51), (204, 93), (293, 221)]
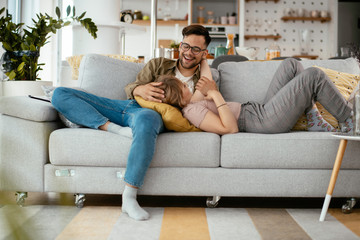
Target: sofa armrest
[(28, 108)]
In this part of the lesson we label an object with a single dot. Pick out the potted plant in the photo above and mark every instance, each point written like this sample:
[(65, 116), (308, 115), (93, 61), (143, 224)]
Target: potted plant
[(22, 45), (175, 47)]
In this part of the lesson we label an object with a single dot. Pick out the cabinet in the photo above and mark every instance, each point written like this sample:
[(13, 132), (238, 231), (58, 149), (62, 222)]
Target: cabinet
[(224, 8)]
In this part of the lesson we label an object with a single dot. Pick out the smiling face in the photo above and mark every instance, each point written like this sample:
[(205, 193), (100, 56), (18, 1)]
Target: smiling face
[(187, 58)]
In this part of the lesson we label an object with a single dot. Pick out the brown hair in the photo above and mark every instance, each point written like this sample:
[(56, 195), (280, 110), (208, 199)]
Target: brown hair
[(197, 30), (172, 87)]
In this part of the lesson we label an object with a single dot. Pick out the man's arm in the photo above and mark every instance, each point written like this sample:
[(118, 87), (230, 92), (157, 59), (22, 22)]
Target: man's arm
[(144, 85)]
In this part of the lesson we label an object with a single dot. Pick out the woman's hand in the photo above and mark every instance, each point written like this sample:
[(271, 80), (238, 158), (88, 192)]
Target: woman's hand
[(204, 85)]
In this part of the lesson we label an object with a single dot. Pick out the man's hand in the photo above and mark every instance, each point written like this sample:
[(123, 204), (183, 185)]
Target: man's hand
[(150, 92), (205, 84)]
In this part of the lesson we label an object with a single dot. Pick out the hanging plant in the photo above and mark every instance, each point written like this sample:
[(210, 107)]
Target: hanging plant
[(22, 46)]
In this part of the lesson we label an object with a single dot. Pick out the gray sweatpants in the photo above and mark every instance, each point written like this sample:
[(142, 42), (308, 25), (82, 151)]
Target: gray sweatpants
[(292, 92)]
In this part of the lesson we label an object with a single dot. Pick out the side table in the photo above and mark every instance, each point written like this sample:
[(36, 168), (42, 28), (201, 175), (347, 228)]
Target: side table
[(344, 138)]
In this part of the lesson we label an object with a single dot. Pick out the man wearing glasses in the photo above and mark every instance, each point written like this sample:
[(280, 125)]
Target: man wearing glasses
[(193, 49)]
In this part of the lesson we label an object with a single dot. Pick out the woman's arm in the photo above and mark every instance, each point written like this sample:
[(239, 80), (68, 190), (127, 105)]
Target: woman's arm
[(223, 123), (206, 72)]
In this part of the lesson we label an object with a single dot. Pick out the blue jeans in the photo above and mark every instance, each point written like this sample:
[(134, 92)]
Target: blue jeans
[(92, 111)]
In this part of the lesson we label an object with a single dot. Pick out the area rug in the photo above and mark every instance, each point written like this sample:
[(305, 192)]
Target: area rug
[(171, 223)]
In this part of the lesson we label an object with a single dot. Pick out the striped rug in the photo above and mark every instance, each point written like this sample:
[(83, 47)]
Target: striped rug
[(171, 223)]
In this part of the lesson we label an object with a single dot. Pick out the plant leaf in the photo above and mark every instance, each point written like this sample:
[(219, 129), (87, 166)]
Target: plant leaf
[(7, 46), (21, 66), (12, 75), (68, 10), (58, 14), (73, 11), (82, 15)]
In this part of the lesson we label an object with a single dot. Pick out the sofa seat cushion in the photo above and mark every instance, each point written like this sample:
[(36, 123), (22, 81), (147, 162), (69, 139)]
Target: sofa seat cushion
[(89, 147), (295, 150)]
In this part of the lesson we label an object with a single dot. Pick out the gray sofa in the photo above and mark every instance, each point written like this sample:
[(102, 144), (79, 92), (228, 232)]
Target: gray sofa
[(39, 154)]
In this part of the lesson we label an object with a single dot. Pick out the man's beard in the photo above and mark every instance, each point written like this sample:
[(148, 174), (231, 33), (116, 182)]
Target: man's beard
[(190, 66)]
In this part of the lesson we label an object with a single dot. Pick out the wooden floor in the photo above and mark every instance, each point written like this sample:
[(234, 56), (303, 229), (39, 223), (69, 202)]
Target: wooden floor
[(35, 198)]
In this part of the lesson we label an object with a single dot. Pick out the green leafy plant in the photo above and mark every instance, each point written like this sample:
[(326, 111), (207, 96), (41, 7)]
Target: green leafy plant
[(174, 45), (20, 61)]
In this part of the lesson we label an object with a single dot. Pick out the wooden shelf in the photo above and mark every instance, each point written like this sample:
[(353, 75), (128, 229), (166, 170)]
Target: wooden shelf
[(217, 24), (161, 22), (307, 56), (275, 37), (263, 0), (327, 19)]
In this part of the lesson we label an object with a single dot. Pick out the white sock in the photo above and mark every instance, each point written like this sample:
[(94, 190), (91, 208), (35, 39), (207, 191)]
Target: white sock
[(317, 123), (117, 129), (131, 206)]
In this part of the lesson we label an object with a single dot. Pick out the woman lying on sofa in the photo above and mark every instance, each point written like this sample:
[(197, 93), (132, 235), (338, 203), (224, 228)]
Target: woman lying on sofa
[(292, 92)]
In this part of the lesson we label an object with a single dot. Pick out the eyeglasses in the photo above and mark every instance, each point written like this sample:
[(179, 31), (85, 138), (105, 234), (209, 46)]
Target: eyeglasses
[(195, 50)]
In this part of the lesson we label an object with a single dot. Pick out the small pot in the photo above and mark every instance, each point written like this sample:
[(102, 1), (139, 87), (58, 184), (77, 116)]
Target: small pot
[(138, 15)]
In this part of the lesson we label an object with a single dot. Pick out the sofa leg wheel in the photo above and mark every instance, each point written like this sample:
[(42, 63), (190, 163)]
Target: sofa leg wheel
[(348, 206), (20, 198), (79, 200), (212, 202)]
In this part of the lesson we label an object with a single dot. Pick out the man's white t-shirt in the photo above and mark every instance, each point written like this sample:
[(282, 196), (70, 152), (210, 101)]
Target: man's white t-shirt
[(188, 80)]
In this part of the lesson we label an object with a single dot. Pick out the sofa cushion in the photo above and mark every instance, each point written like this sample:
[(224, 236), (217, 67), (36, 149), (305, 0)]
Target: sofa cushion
[(105, 76), (89, 147), (28, 108), (295, 150), (345, 83), (250, 80)]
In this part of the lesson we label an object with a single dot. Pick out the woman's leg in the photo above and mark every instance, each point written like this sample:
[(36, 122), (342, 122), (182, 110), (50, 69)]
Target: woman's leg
[(282, 111), (316, 122), (288, 69)]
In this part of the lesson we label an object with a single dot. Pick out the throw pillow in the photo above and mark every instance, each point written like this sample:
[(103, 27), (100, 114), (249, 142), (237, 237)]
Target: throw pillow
[(346, 83), (48, 91), (171, 116), (74, 62)]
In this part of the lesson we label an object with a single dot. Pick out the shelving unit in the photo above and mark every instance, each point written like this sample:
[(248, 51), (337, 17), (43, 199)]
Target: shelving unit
[(313, 57), (263, 0), (321, 19), (161, 22), (275, 37)]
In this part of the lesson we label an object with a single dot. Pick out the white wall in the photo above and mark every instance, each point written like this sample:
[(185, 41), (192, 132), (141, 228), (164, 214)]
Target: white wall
[(102, 13), (48, 52)]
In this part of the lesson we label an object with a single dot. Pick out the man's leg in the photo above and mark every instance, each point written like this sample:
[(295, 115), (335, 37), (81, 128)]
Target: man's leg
[(146, 125), (88, 109)]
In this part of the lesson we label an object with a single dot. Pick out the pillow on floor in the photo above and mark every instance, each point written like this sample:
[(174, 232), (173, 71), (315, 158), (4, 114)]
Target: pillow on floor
[(346, 83), (171, 116)]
